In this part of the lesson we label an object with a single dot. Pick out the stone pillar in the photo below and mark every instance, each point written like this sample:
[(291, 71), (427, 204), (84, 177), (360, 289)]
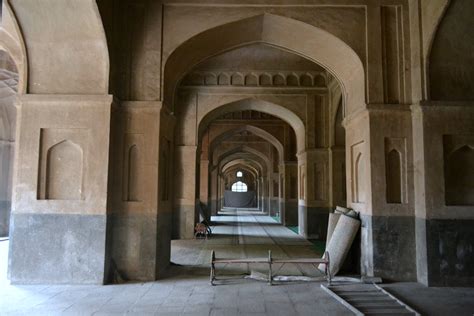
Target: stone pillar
[(213, 191), (302, 194), (60, 190), (290, 217), (317, 200), (6, 174), (220, 192), (204, 181), (444, 193), (380, 186), (185, 201), (337, 176), (141, 194)]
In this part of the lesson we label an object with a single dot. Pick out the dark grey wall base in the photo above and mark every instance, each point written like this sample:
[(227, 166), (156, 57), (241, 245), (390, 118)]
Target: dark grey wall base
[(388, 247), (57, 249), (317, 222), (183, 221), (134, 245), (449, 251), (5, 208), (291, 214)]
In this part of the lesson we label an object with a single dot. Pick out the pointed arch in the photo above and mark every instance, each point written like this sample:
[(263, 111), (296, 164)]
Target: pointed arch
[(277, 31), (252, 129), (257, 105)]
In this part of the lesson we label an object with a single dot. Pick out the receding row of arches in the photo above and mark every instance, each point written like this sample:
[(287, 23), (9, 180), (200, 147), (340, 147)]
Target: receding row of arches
[(283, 128)]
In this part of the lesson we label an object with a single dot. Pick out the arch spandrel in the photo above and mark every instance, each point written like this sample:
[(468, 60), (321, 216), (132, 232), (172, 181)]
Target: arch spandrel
[(284, 33), (69, 56), (11, 41)]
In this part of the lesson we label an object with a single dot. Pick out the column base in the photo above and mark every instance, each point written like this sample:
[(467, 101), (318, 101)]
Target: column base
[(57, 249), (449, 258)]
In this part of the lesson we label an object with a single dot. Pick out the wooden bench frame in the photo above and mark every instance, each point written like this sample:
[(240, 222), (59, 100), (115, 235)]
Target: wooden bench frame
[(269, 260)]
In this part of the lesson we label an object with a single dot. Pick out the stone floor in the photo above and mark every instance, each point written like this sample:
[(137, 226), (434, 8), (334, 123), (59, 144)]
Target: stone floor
[(186, 291)]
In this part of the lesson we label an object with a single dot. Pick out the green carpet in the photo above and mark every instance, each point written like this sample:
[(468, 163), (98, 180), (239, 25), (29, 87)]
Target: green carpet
[(294, 229), (318, 245)]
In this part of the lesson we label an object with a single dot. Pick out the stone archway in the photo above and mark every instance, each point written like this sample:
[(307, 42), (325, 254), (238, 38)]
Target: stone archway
[(288, 34)]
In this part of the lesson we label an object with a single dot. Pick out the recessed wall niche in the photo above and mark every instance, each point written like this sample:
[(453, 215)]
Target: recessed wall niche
[(61, 164), (459, 169), (358, 172), (395, 170), (133, 167)]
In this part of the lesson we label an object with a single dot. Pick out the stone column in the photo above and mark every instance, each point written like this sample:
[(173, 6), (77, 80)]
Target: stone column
[(302, 194), (185, 201), (141, 191), (337, 176), (6, 174), (204, 181), (213, 191), (444, 192), (380, 186), (221, 190), (60, 190), (290, 217), (317, 199)]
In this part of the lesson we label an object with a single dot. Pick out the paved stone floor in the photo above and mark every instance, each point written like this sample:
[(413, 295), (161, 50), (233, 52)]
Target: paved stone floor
[(186, 291)]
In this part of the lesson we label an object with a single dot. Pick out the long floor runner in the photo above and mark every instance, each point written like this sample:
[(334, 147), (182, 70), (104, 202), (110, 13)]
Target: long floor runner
[(368, 299)]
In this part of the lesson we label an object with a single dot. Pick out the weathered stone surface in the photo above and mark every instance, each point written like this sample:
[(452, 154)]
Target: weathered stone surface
[(450, 252), (5, 209), (57, 248)]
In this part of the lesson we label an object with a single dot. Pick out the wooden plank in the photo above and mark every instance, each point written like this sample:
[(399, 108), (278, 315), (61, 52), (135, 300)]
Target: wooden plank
[(302, 261), (250, 260)]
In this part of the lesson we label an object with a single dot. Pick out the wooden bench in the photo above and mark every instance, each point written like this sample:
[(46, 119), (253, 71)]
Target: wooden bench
[(270, 261)]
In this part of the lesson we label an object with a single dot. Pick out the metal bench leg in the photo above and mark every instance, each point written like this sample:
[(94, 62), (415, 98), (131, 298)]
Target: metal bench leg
[(270, 274), (213, 268)]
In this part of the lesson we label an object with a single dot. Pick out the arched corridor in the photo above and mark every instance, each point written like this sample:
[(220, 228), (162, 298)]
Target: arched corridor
[(126, 127)]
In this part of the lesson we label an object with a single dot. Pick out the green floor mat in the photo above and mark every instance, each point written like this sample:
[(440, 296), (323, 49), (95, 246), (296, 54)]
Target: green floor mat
[(318, 245), (294, 229)]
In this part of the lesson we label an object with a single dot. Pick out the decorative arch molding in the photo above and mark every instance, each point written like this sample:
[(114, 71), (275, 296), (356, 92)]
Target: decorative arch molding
[(79, 67), (277, 31), (11, 41), (241, 164), (257, 105), (245, 153), (252, 129)]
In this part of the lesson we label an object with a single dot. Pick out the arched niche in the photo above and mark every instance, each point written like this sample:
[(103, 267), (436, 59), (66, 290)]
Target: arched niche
[(133, 175), (64, 164), (359, 187), (279, 32), (393, 174)]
